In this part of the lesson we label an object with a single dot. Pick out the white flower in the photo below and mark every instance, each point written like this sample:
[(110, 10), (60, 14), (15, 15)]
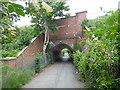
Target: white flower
[(47, 7)]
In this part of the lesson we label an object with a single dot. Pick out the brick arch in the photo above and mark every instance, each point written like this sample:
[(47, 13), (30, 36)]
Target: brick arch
[(61, 46)]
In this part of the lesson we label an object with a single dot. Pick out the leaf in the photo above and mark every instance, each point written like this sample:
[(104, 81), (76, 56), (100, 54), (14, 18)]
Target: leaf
[(17, 6), (20, 12), (5, 2), (99, 26), (13, 33), (4, 36), (110, 21), (10, 8)]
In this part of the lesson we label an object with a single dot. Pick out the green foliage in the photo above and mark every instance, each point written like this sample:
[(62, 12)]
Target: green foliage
[(13, 39), (24, 35), (9, 12), (15, 77), (98, 63), (9, 53), (77, 46), (11, 9), (37, 62), (94, 22)]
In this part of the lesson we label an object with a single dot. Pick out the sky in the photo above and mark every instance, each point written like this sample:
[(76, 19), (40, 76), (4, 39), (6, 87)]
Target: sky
[(91, 6)]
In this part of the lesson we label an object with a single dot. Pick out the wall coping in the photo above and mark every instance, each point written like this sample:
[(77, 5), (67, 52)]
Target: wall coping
[(8, 59), (75, 14), (81, 12)]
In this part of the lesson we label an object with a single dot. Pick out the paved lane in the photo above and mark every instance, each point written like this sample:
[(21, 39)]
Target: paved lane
[(58, 75)]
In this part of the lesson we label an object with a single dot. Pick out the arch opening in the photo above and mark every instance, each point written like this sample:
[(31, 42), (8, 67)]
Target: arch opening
[(62, 52)]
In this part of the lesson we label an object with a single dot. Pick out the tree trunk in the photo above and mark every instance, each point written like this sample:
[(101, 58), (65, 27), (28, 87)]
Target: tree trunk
[(46, 39)]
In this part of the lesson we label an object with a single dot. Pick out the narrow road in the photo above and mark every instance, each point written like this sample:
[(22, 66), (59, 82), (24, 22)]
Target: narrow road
[(58, 75)]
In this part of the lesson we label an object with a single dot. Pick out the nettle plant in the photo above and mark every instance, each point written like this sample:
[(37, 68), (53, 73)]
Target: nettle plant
[(98, 63)]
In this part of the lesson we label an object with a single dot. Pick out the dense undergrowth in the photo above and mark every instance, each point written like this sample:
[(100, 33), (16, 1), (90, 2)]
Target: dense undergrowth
[(15, 77), (22, 38), (98, 63)]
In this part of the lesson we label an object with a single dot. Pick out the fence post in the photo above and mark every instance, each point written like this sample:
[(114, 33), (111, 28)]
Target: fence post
[(45, 59)]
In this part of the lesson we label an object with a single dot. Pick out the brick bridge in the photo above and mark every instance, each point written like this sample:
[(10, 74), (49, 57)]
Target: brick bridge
[(69, 31), (58, 75)]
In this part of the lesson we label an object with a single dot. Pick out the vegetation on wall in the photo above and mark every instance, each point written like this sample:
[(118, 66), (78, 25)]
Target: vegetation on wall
[(98, 63)]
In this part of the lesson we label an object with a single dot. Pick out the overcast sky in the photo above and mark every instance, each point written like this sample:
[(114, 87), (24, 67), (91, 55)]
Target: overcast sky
[(91, 6)]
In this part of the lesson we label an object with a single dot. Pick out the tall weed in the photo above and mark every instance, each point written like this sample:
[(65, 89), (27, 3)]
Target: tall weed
[(15, 77)]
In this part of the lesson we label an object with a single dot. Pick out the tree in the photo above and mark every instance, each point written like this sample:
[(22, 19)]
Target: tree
[(43, 14), (9, 12)]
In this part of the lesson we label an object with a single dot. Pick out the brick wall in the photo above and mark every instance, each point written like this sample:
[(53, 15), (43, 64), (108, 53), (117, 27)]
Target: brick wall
[(27, 54), (10, 61)]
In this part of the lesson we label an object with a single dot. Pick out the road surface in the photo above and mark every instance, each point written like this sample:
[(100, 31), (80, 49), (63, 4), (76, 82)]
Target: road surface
[(58, 75)]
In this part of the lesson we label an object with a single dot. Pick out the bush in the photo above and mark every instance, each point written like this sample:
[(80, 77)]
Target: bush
[(10, 53), (97, 64), (77, 46), (97, 70)]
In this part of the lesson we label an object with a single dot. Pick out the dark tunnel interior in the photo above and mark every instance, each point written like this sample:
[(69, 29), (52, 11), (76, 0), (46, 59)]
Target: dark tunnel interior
[(56, 52)]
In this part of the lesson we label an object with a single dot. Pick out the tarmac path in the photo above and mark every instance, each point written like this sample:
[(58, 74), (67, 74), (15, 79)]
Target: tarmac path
[(57, 75)]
